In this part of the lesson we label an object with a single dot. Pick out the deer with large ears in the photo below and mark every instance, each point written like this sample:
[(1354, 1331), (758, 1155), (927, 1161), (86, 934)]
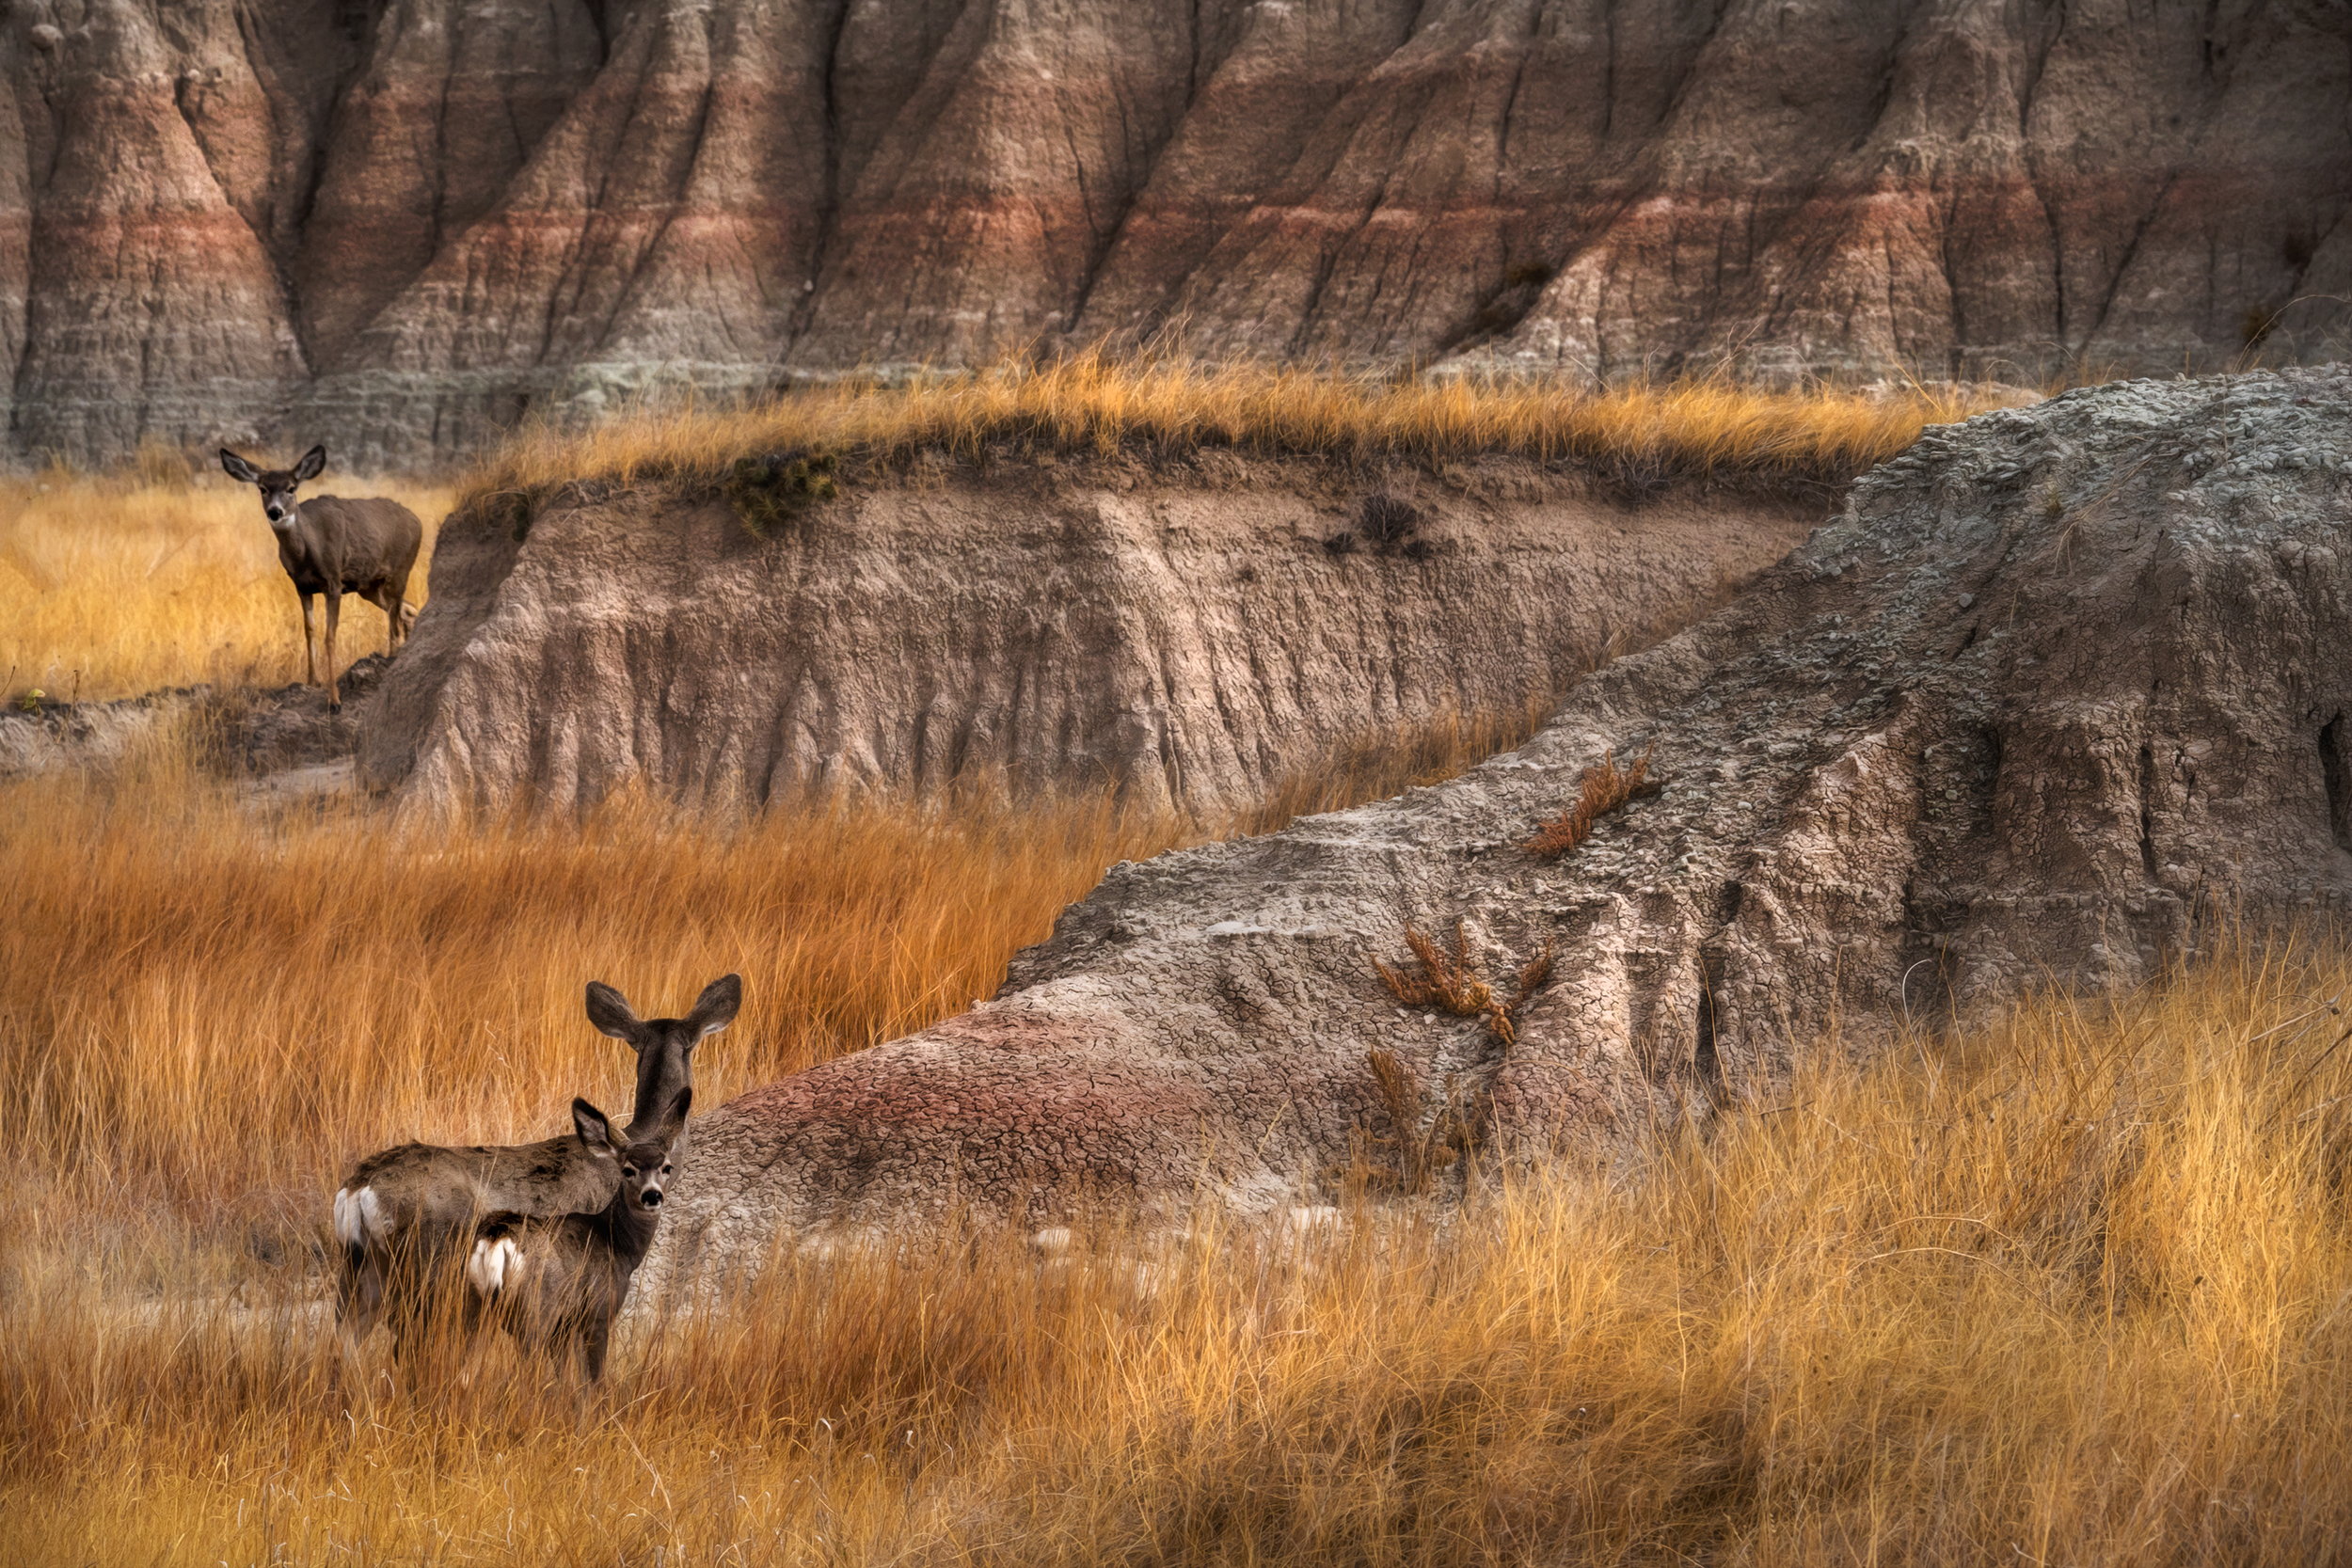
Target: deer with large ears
[(404, 1215), (557, 1281), (335, 547)]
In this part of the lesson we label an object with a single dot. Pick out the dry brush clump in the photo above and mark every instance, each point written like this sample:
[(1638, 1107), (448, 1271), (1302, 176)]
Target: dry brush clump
[(1449, 981), (1638, 434), (1600, 789)]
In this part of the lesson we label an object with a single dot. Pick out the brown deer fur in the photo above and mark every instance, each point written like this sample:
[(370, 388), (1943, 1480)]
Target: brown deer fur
[(334, 546), (557, 1281), (403, 1214)]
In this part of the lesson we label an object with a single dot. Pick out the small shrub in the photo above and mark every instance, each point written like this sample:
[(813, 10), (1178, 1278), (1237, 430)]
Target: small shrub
[(1603, 789), (1450, 981), (1341, 543), (1386, 521), (768, 492), (513, 510)]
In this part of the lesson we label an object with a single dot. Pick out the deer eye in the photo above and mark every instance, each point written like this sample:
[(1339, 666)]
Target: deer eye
[(665, 1170), (628, 1170)]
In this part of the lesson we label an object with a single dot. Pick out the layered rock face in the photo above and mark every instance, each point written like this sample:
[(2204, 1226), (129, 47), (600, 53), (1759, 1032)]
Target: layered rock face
[(2059, 680), (400, 225), (1185, 635)]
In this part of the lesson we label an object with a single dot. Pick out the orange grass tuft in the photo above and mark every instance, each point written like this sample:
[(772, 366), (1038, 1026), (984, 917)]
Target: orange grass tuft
[(1601, 789), (1098, 404), (1449, 980)]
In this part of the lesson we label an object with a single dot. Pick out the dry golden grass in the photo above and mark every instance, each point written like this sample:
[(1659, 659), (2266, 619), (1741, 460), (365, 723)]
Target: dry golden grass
[(1642, 433), (1390, 761), (115, 585), (177, 978), (1601, 789), (2072, 1288)]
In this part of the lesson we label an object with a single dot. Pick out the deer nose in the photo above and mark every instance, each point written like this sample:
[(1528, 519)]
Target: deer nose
[(274, 511), (651, 1197)]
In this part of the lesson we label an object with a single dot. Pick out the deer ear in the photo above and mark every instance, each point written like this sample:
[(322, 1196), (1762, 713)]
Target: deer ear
[(715, 1008), (237, 467), (594, 1129), (611, 1013), (312, 463)]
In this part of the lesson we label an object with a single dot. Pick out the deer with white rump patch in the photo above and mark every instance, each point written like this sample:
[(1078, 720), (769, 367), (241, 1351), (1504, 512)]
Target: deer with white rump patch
[(407, 1214), (335, 547), (557, 1281)]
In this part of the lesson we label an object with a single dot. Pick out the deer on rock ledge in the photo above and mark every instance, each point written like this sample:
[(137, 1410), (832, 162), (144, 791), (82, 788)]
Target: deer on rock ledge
[(335, 547)]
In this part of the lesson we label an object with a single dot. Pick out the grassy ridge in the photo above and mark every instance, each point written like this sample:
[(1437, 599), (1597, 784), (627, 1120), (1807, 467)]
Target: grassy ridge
[(1640, 433), (111, 585)]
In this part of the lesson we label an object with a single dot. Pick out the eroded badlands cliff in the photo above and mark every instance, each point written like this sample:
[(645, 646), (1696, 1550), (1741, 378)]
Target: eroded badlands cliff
[(2060, 682), (1184, 633), (395, 225)]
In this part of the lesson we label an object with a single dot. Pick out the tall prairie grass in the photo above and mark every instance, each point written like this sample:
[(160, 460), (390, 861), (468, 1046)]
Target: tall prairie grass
[(111, 585), (1642, 430), (2069, 1287)]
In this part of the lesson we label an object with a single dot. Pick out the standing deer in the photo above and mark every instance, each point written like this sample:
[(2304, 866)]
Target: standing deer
[(333, 546), (405, 1213), (557, 1281)]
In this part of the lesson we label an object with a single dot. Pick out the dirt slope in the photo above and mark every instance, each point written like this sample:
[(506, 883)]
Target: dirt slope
[(401, 224), (1188, 635), (2060, 678)]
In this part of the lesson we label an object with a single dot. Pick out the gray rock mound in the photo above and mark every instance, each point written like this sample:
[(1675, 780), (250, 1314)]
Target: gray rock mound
[(1185, 636), (2059, 680)]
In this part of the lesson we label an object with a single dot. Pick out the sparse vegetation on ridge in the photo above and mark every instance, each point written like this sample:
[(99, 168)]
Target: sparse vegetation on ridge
[(1601, 789), (1639, 437)]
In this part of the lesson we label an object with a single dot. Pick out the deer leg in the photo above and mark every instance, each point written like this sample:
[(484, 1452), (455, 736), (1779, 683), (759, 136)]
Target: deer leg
[(334, 612), (399, 611), (310, 640)]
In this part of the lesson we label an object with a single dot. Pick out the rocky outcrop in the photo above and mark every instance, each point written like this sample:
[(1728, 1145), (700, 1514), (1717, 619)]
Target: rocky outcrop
[(2059, 680), (402, 225), (1185, 634)]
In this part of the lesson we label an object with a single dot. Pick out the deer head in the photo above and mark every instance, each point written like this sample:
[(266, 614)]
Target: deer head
[(664, 1046), (277, 484), (647, 1162)]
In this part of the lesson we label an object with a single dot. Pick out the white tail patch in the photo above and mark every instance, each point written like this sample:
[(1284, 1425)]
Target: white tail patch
[(358, 1217), (494, 1265)]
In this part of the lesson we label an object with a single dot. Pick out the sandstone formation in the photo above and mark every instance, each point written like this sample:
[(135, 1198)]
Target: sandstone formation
[(400, 225), (1185, 635), (2059, 681)]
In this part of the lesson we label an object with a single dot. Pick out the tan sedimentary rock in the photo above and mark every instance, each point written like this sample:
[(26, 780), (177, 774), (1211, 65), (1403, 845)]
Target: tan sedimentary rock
[(403, 227), (1185, 636), (2059, 684)]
